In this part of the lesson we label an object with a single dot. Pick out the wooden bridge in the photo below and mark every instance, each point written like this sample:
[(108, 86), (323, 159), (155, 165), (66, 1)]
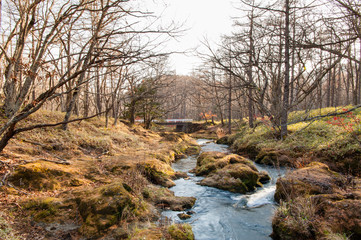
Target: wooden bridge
[(182, 125)]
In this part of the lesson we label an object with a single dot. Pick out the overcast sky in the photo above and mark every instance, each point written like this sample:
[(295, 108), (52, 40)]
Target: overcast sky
[(203, 18)]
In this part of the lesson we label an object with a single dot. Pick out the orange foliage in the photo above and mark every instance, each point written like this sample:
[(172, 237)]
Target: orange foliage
[(207, 115)]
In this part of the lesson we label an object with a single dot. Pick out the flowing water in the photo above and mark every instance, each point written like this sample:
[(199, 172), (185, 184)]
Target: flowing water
[(221, 214)]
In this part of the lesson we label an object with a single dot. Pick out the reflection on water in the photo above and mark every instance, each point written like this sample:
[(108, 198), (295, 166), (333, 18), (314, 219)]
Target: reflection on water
[(223, 215)]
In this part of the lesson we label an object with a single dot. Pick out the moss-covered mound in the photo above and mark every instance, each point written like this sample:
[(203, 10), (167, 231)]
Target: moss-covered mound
[(206, 162), (169, 232), (157, 172), (181, 232), (316, 178), (106, 206), (42, 175), (317, 203), (229, 172), (234, 178), (164, 198)]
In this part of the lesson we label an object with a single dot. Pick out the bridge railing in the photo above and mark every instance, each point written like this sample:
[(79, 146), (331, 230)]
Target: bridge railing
[(168, 121), (177, 120)]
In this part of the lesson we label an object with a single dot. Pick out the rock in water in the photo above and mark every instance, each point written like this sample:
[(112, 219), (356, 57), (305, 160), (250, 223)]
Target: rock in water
[(183, 216), (229, 172)]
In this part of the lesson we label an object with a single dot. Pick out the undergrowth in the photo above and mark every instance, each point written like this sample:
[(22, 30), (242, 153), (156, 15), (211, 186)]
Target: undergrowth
[(6, 232)]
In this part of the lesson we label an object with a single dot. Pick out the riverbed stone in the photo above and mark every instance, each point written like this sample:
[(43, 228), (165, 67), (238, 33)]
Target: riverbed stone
[(264, 177), (179, 174), (183, 216)]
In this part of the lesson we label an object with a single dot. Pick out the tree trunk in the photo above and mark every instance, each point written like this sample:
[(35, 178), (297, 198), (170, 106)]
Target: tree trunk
[(7, 136), (285, 105), (131, 111), (250, 75), (70, 108), (230, 106)]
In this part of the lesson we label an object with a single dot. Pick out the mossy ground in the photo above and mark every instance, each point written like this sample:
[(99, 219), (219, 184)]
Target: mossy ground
[(87, 181)]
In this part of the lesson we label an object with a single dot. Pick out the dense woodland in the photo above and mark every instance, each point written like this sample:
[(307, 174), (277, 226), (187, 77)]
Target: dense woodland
[(91, 58)]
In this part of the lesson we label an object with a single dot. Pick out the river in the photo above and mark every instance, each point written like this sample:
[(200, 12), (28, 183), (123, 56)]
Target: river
[(221, 214)]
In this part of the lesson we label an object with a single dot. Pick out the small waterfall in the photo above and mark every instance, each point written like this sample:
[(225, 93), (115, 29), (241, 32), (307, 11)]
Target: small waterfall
[(259, 198)]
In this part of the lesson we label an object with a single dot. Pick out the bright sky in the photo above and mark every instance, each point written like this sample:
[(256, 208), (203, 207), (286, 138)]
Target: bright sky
[(203, 18)]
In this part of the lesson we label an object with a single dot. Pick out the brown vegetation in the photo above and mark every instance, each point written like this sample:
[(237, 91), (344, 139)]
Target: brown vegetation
[(91, 181), (317, 203)]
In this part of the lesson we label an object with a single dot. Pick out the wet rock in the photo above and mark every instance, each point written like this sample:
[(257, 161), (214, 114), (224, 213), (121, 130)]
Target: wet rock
[(191, 212), (178, 175), (264, 177), (183, 216)]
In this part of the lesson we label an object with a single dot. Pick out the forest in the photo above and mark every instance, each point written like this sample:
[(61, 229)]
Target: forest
[(273, 111)]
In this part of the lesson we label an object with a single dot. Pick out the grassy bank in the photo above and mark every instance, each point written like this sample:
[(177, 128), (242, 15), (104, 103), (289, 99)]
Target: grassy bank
[(332, 140), (91, 181)]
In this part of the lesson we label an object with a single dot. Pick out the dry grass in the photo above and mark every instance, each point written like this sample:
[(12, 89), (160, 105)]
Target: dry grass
[(97, 156), (296, 218)]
